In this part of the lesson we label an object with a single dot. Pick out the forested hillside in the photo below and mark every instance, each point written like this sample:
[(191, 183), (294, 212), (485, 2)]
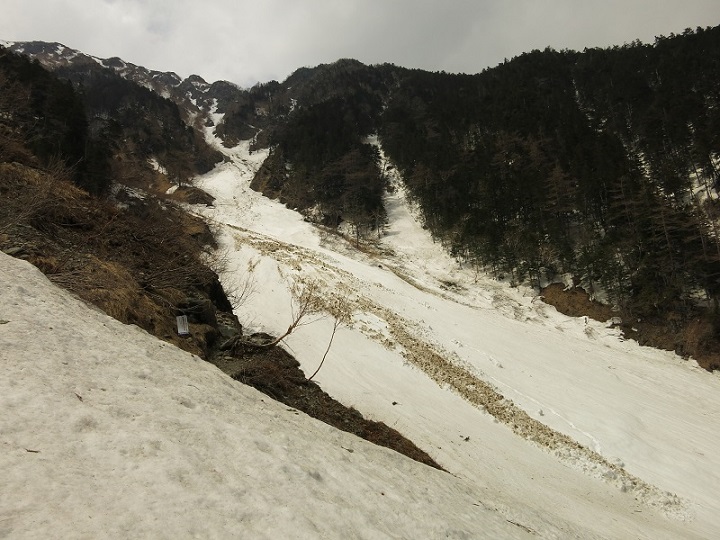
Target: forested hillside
[(320, 160), (601, 165), (598, 166), (43, 123), (139, 126)]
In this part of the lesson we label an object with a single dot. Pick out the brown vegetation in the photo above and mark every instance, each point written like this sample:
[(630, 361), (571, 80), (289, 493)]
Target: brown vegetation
[(575, 302), (138, 264), (142, 262)]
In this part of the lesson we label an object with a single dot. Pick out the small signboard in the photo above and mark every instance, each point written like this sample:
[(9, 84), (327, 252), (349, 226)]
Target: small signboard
[(182, 325)]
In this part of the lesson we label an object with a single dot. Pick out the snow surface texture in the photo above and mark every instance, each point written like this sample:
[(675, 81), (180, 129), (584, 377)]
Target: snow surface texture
[(530, 405), (107, 432)]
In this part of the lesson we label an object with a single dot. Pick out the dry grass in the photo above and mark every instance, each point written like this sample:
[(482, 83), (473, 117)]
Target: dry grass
[(36, 197), (138, 265)]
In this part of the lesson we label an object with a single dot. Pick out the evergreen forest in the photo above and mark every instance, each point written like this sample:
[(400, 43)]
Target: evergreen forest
[(601, 164), (600, 167)]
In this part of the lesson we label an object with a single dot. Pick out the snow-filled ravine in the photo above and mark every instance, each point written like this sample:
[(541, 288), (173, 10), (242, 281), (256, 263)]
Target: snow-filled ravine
[(547, 426), (431, 347)]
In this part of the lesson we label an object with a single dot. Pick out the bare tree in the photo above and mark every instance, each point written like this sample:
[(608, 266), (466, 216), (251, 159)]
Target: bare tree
[(243, 285), (306, 302), (336, 325), (309, 304)]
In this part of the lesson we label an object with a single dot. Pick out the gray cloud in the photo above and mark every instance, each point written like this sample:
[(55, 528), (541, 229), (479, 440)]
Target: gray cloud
[(247, 41)]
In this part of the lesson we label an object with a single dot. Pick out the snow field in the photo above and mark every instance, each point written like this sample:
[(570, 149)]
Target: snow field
[(107, 432), (626, 403)]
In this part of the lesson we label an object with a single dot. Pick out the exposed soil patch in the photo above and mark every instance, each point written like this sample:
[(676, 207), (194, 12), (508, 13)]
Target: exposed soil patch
[(576, 302), (192, 195), (696, 336)]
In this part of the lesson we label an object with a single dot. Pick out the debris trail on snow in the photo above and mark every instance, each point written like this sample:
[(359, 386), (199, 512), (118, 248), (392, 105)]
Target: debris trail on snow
[(403, 335), (473, 370)]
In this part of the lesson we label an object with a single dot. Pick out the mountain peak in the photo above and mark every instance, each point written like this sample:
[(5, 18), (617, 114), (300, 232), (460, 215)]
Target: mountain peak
[(193, 94), (197, 80)]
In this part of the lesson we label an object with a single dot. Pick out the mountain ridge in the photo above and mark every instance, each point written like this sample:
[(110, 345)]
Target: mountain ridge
[(55, 55)]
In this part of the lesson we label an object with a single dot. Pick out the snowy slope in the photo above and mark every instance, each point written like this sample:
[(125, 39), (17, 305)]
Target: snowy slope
[(107, 432), (431, 345)]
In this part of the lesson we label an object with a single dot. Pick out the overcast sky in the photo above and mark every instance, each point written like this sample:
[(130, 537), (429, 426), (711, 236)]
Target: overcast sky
[(247, 41)]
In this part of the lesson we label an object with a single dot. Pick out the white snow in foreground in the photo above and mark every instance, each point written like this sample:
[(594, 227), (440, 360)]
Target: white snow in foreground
[(651, 414), (107, 432)]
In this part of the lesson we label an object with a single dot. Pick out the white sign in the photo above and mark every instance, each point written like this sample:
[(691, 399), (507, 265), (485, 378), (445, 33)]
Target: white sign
[(182, 325)]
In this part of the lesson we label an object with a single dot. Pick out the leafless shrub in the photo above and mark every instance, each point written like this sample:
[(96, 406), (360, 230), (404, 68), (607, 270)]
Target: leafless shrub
[(309, 303), (239, 285), (244, 287), (306, 307), (336, 325)]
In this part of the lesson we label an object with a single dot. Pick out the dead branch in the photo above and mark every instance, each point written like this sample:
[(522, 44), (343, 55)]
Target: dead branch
[(336, 325)]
